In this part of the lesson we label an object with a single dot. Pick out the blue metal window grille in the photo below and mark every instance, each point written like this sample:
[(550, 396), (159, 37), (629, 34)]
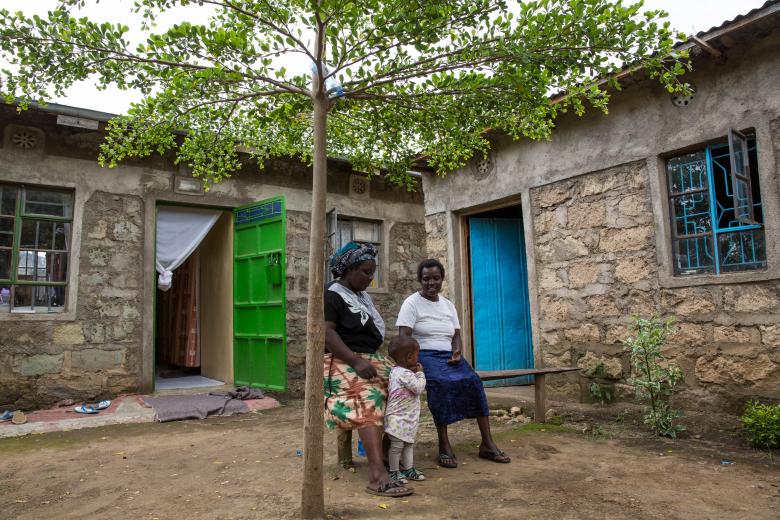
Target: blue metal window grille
[(710, 235), (260, 212)]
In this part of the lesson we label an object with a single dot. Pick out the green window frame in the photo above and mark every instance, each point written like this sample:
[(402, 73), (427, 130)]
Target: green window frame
[(35, 234)]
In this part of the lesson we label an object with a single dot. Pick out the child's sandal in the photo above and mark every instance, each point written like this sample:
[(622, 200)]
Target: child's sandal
[(413, 474), (398, 476)]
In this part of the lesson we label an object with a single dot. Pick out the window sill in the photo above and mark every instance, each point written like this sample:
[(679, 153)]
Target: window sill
[(762, 275), (37, 316), (378, 290)]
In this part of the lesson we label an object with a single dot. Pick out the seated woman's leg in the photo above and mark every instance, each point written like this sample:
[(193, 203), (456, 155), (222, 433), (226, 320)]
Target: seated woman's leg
[(372, 443), (488, 448), (446, 458)]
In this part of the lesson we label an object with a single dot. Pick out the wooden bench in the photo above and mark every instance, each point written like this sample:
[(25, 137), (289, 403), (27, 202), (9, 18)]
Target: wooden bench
[(540, 392)]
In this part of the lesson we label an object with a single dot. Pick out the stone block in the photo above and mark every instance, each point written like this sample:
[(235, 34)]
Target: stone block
[(549, 279), (751, 298), (562, 250), (632, 269), (96, 360), (613, 369), (556, 309), (125, 231), (601, 306), (689, 335), (586, 333), (39, 364), (770, 335), (722, 369), (68, 334), (586, 215), (557, 360), (553, 195), (629, 239), (732, 334), (580, 275), (98, 230), (641, 303), (97, 257), (616, 334), (688, 301)]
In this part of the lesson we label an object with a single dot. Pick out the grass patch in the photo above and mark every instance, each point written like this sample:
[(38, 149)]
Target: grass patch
[(543, 428)]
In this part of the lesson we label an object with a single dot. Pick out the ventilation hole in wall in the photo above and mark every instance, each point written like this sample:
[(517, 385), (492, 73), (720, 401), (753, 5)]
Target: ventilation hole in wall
[(24, 139), (359, 185), (682, 100)]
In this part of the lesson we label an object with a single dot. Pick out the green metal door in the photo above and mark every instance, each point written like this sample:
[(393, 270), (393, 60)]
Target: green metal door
[(259, 324)]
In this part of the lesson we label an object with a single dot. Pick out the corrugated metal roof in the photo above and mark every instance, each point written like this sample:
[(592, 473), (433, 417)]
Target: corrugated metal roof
[(736, 19)]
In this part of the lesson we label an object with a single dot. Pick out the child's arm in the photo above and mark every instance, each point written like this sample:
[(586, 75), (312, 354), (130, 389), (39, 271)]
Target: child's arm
[(414, 382)]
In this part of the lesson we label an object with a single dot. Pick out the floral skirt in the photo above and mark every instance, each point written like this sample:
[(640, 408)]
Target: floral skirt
[(352, 402)]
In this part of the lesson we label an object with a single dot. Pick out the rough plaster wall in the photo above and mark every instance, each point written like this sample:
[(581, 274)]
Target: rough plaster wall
[(596, 267), (97, 354)]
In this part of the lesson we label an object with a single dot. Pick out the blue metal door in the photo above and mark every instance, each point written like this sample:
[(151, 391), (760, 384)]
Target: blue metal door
[(499, 289)]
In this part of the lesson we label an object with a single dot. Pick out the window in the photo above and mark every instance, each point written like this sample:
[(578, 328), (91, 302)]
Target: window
[(35, 226), (342, 229), (715, 206)]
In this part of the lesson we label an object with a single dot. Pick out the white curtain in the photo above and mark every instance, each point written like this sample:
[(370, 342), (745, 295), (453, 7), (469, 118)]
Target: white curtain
[(179, 232)]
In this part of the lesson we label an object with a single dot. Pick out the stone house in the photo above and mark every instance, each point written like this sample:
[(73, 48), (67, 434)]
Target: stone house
[(79, 307), (667, 205)]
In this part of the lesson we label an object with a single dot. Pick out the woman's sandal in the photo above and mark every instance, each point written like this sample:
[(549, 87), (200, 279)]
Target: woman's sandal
[(392, 489), (495, 456), (447, 461)]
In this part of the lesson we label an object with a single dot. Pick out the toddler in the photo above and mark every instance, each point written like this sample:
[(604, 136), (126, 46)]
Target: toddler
[(402, 415)]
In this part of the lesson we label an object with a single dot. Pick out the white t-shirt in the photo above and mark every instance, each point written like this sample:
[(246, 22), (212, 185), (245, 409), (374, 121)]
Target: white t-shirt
[(433, 323)]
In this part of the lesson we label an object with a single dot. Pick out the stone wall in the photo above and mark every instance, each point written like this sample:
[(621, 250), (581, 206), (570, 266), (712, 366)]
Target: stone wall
[(596, 266), (97, 354), (437, 245)]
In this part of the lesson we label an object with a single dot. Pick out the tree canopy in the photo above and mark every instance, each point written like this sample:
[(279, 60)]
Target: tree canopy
[(417, 76)]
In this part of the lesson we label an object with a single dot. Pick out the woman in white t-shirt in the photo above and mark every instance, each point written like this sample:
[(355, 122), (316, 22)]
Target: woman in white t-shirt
[(454, 390)]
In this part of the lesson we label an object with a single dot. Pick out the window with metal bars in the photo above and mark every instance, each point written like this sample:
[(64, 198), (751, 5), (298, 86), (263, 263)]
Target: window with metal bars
[(715, 207), (35, 229), (343, 229)]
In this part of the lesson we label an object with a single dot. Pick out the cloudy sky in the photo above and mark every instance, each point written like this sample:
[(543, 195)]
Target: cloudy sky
[(689, 16)]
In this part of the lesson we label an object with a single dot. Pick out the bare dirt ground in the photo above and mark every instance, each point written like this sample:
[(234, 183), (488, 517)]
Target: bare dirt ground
[(245, 467)]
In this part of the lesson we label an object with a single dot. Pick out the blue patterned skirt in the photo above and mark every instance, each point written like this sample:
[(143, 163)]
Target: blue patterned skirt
[(454, 392)]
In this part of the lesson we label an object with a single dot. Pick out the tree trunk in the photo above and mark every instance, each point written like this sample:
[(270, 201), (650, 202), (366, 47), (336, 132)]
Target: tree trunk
[(312, 496)]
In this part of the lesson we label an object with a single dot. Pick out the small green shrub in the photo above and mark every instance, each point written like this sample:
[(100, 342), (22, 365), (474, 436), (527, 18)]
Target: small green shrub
[(600, 393), (654, 378), (762, 424)]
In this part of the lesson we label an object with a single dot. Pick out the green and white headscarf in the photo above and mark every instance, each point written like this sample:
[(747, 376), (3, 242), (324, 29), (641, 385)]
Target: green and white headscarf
[(349, 255)]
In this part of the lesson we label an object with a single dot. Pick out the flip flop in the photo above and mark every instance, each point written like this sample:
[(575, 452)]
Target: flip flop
[(85, 408), (447, 461), (384, 490), (102, 405), (495, 456), (19, 418)]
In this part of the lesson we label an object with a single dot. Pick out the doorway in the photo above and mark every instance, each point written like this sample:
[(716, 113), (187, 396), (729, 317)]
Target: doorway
[(194, 332), (501, 313)]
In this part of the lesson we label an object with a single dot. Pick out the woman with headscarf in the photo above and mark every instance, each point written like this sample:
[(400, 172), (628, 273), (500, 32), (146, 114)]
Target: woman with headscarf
[(356, 375), (454, 390)]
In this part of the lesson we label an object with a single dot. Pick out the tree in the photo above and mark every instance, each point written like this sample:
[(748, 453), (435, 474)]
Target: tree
[(416, 77)]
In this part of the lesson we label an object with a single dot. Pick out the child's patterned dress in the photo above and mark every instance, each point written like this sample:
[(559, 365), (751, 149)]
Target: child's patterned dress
[(402, 415)]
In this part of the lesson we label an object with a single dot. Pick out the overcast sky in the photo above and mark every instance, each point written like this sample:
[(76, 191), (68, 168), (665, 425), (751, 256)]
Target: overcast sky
[(689, 16)]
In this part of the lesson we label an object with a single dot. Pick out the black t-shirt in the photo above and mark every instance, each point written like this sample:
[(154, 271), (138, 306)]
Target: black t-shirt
[(355, 327)]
